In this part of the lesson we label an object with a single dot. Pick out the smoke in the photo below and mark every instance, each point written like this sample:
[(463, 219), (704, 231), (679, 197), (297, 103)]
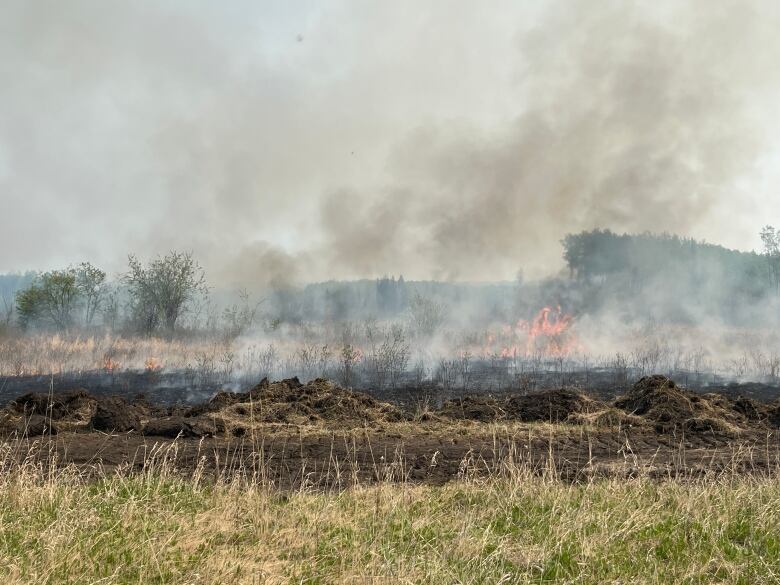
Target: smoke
[(286, 142), (631, 119)]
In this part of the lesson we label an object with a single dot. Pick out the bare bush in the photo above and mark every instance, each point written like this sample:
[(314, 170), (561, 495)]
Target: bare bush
[(388, 355), (349, 357), (427, 315), (447, 374), (240, 317)]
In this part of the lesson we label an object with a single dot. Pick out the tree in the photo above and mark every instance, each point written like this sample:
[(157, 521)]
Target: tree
[(391, 295), (90, 283), (163, 290), (29, 306), (110, 309), (771, 239), (7, 311), (49, 301)]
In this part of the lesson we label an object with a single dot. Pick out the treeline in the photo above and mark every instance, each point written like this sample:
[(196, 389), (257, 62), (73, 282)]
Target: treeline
[(602, 253), (671, 277), (147, 298), (390, 297), (169, 294), (663, 277)]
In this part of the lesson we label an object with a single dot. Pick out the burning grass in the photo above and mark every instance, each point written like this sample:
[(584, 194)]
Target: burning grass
[(550, 349)]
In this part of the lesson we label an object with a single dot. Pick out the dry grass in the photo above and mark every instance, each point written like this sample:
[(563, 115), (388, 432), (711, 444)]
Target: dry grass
[(42, 354), (57, 525), (206, 359), (313, 348)]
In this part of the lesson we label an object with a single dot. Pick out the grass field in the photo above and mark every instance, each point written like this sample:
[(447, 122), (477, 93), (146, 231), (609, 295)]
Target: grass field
[(58, 526)]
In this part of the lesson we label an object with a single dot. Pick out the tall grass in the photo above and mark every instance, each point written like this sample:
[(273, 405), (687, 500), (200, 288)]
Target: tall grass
[(62, 525), (43, 354)]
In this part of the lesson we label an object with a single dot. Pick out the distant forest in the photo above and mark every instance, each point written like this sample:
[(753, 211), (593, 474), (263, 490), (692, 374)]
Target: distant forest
[(599, 255), (669, 277), (653, 276), (644, 276)]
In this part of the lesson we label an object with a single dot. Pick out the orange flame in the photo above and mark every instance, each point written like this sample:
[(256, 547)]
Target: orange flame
[(110, 364), (152, 364), (549, 333)]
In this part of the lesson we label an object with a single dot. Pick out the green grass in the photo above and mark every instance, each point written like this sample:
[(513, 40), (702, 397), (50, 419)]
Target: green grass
[(160, 528)]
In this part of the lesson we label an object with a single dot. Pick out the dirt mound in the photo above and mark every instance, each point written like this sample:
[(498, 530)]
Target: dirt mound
[(773, 413), (609, 417), (655, 402), (36, 425), (750, 409), (285, 402), (148, 409), (224, 399), (551, 405), (317, 401), (670, 407), (557, 405), (113, 414), (71, 404), (178, 426), (477, 408)]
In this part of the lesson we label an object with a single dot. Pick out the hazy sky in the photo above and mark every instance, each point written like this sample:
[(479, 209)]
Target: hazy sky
[(441, 139)]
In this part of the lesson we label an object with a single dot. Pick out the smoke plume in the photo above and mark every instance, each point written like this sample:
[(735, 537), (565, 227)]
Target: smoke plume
[(294, 141)]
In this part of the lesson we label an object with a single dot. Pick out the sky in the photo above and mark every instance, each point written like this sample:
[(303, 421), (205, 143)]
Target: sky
[(298, 141)]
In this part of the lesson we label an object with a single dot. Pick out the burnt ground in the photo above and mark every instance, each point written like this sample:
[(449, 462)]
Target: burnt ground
[(181, 387), (290, 434)]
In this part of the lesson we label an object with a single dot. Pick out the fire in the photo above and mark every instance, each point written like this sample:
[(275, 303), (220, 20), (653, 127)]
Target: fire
[(152, 364), (549, 333), (109, 364)]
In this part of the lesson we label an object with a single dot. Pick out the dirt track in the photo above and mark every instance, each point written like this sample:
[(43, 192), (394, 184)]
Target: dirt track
[(333, 459)]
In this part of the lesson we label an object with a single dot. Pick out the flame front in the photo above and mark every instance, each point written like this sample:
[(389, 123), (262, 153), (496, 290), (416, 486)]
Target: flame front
[(109, 363), (152, 364), (548, 334)]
